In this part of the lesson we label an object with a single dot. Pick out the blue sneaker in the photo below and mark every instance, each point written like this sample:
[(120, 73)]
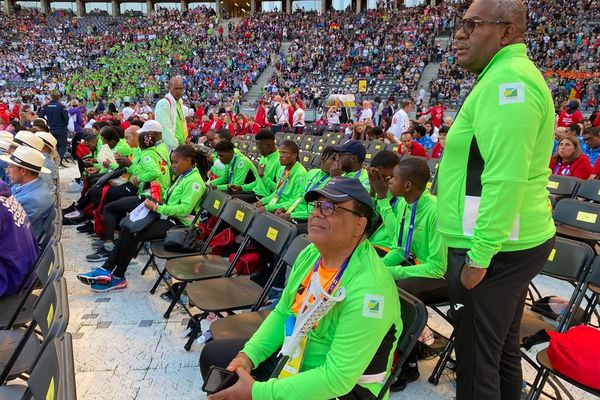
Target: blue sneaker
[(97, 275), (114, 284)]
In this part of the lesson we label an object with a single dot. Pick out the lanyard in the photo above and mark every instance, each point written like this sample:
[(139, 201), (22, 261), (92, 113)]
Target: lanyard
[(394, 201), (283, 181), (564, 171), (232, 168), (411, 228), (357, 175), (311, 186), (311, 290), (177, 182)]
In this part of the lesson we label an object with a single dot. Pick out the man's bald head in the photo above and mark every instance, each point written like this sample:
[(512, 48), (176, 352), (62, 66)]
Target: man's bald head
[(513, 11), (131, 135), (176, 87)]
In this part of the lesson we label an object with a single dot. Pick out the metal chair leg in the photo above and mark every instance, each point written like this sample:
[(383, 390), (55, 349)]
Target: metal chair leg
[(150, 260), (196, 330), (442, 361), (176, 297), (161, 277)]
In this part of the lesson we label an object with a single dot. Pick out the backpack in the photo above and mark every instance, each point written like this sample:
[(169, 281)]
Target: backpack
[(71, 123), (272, 114)]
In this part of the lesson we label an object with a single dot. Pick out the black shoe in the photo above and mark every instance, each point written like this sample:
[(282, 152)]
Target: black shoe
[(73, 221), (407, 375), (87, 227), (168, 295), (69, 209)]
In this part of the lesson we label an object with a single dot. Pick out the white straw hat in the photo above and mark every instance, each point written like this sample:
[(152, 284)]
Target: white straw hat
[(28, 158), (48, 138), (26, 138)]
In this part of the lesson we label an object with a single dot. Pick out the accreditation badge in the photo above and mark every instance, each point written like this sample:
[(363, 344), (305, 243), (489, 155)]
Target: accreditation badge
[(294, 364)]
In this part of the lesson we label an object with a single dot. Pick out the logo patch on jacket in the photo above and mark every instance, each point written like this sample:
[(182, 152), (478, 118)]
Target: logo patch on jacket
[(373, 306), (512, 93)]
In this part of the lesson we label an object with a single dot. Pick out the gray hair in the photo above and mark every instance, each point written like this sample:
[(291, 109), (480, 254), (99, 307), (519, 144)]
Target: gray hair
[(513, 11)]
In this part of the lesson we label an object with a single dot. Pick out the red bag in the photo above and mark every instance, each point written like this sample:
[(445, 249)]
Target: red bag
[(576, 354), (221, 241), (205, 229), (97, 214), (248, 262)]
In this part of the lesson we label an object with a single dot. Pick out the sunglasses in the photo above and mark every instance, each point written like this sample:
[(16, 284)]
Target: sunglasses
[(468, 25), (327, 208)]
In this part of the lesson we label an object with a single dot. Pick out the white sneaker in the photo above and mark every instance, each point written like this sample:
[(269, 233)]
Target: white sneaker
[(74, 214)]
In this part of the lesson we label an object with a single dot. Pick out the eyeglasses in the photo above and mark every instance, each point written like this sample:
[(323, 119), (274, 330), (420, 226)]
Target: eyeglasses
[(327, 208), (587, 138), (468, 25)]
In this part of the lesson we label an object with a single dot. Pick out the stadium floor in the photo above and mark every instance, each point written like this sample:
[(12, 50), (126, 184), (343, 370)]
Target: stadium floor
[(125, 349)]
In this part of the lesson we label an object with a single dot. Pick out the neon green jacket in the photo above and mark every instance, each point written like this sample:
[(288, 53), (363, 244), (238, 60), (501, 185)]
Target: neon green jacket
[(384, 236), (163, 151), (238, 168), (426, 245), (362, 175), (289, 190), (492, 180), (218, 168), (266, 185), (315, 179), (183, 195), (344, 343), (147, 166)]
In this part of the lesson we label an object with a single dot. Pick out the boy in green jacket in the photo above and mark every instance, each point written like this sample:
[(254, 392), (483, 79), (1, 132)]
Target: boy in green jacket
[(239, 169)]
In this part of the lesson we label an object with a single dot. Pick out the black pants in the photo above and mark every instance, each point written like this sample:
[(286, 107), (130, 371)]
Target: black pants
[(62, 143), (114, 193), (487, 320), (115, 211), (127, 246), (248, 197)]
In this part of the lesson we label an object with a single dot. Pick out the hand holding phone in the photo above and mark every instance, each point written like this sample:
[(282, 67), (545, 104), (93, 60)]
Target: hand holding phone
[(219, 379)]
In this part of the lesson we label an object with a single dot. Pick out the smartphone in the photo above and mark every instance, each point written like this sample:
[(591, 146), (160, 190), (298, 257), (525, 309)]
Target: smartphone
[(218, 379)]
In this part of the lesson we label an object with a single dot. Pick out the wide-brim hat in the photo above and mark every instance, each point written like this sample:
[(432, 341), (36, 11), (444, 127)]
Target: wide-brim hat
[(28, 158), (26, 138), (48, 138)]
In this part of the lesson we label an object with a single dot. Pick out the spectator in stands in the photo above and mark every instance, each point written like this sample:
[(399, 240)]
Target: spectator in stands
[(290, 180), (76, 122), (400, 120), (56, 115), (238, 169), (368, 318), (377, 133), (438, 149), (48, 149), (333, 116), (348, 161), (24, 167), (169, 113), (180, 201), (366, 113), (261, 115), (410, 147), (570, 115), (420, 136), (437, 114), (298, 119), (16, 234), (591, 138), (569, 160), (431, 131), (278, 114)]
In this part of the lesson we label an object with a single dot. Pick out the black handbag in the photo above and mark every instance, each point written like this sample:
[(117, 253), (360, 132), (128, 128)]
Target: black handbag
[(184, 238), (134, 223), (109, 176)]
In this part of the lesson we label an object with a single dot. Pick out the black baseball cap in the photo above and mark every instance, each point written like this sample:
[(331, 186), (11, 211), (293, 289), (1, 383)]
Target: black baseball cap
[(340, 189), (354, 147)]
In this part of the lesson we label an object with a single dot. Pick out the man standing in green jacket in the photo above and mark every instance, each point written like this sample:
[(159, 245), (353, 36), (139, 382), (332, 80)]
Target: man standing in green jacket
[(493, 211), (350, 350), (290, 180)]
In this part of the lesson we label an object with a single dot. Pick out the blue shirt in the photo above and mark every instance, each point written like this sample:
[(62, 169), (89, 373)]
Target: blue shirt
[(37, 201), (426, 142), (592, 154)]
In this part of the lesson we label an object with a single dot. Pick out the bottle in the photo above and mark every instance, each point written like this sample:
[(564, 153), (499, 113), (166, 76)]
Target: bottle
[(155, 191)]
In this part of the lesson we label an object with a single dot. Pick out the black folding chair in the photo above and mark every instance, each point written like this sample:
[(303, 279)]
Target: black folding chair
[(589, 191), (20, 348), (213, 203), (225, 295), (52, 377), (245, 324), (238, 215), (578, 220), (562, 187), (414, 318), (17, 310)]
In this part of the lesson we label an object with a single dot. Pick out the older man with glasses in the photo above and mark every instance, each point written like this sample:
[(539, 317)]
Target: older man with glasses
[(493, 211), (347, 353)]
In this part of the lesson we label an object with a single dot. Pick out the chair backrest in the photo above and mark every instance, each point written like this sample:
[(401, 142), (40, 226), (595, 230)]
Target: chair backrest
[(214, 202), (272, 232), (46, 264), (589, 190), (53, 376), (238, 214), (298, 244), (305, 158), (316, 161), (594, 276), (567, 259), (51, 313), (414, 318), (432, 163), (562, 185), (376, 146), (578, 214)]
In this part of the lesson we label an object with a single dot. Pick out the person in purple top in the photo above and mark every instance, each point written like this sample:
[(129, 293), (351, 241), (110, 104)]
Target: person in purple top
[(18, 242)]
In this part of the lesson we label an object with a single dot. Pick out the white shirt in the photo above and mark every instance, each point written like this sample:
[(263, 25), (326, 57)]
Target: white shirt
[(127, 113), (366, 114), (298, 118), (400, 123)]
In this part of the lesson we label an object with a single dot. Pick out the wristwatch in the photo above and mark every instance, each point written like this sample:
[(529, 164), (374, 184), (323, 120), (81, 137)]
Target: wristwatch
[(471, 264)]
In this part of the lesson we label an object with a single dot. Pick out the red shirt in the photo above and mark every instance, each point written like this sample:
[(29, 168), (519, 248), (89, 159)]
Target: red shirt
[(597, 120), (580, 168), (437, 151), (415, 150), (596, 169), (261, 116), (565, 120), (437, 115)]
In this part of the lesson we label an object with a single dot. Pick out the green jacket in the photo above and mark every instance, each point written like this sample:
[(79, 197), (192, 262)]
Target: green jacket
[(235, 172), (315, 179), (148, 166), (266, 185), (385, 235), (218, 168), (183, 196), (362, 175), (492, 192), (426, 245), (345, 341), (163, 151), (289, 189)]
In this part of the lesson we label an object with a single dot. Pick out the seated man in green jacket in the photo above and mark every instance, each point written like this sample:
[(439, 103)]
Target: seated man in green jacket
[(417, 259), (348, 162), (350, 350), (290, 180), (268, 166), (239, 169)]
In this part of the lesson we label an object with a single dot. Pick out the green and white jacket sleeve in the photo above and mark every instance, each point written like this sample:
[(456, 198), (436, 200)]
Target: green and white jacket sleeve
[(184, 197), (293, 189)]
